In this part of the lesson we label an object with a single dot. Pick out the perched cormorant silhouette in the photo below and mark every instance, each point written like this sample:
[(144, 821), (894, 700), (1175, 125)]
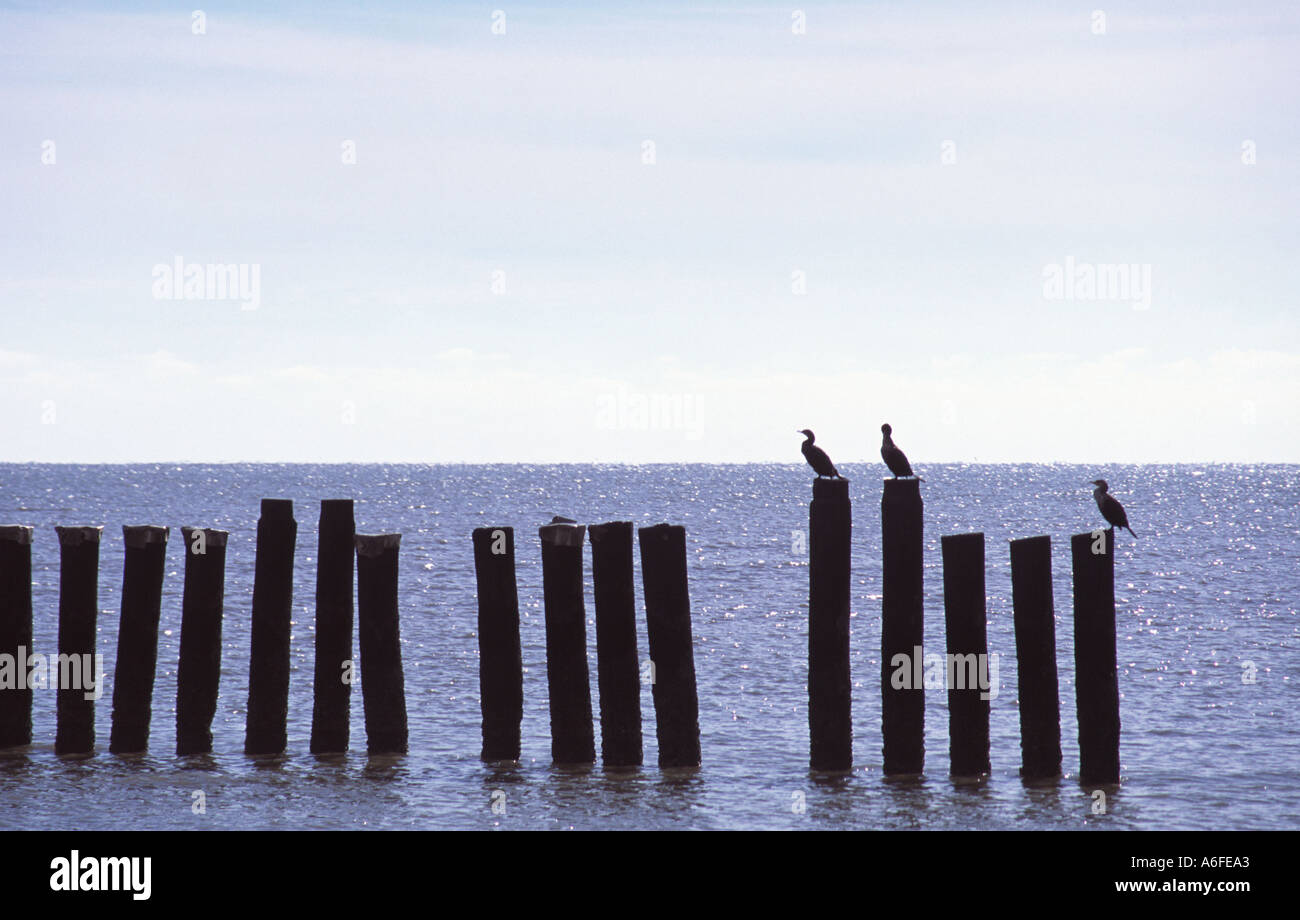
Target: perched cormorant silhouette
[(894, 458), (1110, 507), (817, 457)]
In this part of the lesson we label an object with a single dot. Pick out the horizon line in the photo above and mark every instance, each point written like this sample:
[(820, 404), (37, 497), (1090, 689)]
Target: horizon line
[(795, 463)]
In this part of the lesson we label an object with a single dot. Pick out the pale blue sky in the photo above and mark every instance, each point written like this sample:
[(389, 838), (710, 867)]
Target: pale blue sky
[(378, 335)]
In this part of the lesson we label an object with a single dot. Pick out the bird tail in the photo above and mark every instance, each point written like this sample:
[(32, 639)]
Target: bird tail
[(1130, 530)]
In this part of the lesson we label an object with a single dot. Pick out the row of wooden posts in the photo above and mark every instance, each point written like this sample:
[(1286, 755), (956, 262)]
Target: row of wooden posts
[(199, 670), (663, 560), (619, 672), (965, 618)]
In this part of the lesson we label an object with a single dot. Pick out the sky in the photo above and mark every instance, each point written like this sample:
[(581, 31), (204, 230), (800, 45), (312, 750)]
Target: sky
[(649, 232)]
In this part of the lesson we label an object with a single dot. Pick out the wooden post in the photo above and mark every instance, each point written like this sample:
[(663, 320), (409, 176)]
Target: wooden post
[(500, 659), (137, 637), (16, 632), (78, 617), (1096, 672), (199, 674), (902, 705), (830, 688), (1035, 616), (965, 616), (617, 668), (572, 736), (332, 695), (672, 659), (383, 687), (268, 667)]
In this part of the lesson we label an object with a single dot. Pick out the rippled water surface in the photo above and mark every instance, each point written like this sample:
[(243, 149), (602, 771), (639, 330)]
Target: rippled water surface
[(1207, 592)]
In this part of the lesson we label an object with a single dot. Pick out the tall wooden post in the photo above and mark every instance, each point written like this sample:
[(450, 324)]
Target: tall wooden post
[(500, 658), (830, 687), (1035, 619), (1096, 671), (617, 669), (269, 657), (672, 657), (902, 633), (137, 637)]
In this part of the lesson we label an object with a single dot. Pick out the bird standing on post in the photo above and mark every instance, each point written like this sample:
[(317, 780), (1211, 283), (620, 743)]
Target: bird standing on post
[(1110, 507), (817, 458), (894, 458)]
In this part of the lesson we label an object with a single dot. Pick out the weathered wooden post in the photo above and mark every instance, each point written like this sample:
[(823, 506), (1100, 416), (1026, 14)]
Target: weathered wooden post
[(268, 669), (383, 686), (1035, 619), (965, 616), (137, 637), (902, 706), (500, 658), (16, 633), (572, 735), (1096, 671), (334, 671), (617, 673), (199, 674), (830, 688), (78, 616), (672, 659)]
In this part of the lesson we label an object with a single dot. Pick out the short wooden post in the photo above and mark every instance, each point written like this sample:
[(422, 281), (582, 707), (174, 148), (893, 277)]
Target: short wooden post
[(1096, 671), (268, 667), (672, 658), (902, 638), (500, 659), (968, 672), (572, 735), (334, 666), (383, 686), (830, 687), (199, 674), (16, 633), (617, 669), (137, 637), (1035, 619)]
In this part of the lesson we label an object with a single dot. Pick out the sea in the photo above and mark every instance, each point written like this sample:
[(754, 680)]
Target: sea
[(1206, 607)]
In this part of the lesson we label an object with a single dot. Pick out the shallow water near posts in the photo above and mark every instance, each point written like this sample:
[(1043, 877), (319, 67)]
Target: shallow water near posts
[(1207, 632)]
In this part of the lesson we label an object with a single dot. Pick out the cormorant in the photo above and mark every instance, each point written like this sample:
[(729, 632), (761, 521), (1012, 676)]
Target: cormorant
[(817, 457), (894, 458), (1110, 508)]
